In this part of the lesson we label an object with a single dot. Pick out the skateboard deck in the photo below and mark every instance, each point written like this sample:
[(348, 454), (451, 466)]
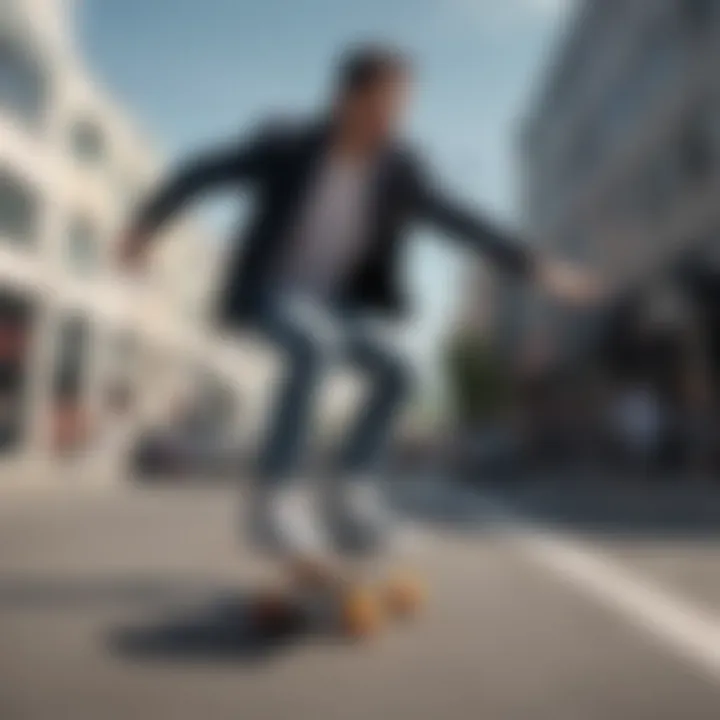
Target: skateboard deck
[(345, 600)]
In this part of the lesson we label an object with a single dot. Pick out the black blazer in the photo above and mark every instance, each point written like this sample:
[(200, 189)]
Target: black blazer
[(276, 165)]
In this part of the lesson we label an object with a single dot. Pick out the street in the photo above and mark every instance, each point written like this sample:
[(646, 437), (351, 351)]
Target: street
[(545, 604)]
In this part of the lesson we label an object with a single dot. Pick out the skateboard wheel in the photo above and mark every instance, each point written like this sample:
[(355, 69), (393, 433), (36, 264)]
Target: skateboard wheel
[(361, 614), (273, 612), (404, 595)]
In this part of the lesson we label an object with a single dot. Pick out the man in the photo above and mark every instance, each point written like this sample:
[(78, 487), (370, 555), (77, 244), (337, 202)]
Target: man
[(317, 274)]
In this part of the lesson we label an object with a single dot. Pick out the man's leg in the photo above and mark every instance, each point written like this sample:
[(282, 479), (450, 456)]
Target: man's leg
[(282, 515), (360, 516)]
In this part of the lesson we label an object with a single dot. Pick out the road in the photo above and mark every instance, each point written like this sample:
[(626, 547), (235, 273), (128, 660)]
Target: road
[(547, 604)]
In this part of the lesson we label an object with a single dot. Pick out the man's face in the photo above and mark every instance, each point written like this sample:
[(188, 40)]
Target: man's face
[(378, 111)]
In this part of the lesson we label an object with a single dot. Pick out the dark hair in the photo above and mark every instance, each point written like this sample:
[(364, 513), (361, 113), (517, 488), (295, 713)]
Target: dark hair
[(364, 66)]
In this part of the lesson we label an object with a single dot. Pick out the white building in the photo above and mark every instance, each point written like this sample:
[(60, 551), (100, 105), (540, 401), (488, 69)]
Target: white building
[(77, 340), (87, 357)]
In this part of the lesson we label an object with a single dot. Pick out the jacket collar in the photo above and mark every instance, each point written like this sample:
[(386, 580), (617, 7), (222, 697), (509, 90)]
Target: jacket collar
[(320, 134)]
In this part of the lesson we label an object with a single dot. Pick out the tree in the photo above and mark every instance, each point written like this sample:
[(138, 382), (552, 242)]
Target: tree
[(479, 382)]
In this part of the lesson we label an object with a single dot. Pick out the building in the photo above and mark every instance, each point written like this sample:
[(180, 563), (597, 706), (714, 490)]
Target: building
[(87, 358), (621, 159), (90, 359)]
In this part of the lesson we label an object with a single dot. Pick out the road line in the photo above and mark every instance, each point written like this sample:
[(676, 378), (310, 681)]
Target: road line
[(689, 631)]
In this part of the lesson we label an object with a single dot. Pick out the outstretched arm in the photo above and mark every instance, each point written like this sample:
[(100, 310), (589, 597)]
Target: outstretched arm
[(192, 179), (558, 278), (476, 232)]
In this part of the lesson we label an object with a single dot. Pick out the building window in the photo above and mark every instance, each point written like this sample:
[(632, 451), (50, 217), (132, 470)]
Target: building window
[(88, 142), (583, 155), (83, 247), (574, 245), (23, 86), (698, 13), (72, 425), (121, 375), (18, 210), (696, 146), (71, 359), (16, 329), (656, 67), (658, 185), (703, 136), (713, 128)]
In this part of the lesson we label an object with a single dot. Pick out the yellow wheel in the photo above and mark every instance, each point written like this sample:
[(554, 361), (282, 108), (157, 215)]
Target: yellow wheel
[(361, 613), (404, 595)]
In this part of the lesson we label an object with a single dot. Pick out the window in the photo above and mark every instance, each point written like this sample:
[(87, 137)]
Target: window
[(83, 247), (656, 67), (705, 125), (697, 13), (23, 86), (622, 106), (696, 155), (574, 245), (18, 210), (582, 156), (658, 185), (16, 329), (88, 143), (72, 423), (121, 374), (713, 128), (663, 59), (696, 146), (71, 359)]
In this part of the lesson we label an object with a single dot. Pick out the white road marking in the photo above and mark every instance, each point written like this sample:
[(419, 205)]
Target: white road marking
[(688, 630)]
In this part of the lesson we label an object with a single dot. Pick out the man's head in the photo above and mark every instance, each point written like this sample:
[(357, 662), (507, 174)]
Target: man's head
[(371, 93)]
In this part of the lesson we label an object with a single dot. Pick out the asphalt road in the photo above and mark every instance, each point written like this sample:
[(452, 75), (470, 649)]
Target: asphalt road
[(546, 604)]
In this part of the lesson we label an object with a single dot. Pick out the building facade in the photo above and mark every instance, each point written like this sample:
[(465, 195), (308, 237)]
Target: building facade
[(88, 357), (621, 153)]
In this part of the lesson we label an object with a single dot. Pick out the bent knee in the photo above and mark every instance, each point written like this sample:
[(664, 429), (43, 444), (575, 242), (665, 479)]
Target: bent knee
[(309, 354), (393, 374)]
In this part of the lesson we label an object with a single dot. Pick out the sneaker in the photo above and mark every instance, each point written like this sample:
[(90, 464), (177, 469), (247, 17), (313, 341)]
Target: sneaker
[(359, 517), (284, 522)]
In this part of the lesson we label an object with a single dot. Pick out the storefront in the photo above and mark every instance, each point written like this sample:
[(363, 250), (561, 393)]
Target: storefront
[(71, 418), (16, 325)]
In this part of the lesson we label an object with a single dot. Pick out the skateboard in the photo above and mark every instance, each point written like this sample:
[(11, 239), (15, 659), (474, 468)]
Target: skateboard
[(343, 600)]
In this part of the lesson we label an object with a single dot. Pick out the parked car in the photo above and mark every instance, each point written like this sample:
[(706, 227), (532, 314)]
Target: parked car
[(172, 454)]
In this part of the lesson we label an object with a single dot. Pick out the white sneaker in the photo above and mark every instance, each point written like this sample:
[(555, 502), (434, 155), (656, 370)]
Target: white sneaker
[(359, 516), (283, 521)]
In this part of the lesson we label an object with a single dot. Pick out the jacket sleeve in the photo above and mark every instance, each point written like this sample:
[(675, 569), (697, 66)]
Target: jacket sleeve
[(199, 174), (469, 227)]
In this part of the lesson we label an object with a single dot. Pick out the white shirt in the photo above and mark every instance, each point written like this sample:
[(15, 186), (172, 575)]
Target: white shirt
[(328, 236)]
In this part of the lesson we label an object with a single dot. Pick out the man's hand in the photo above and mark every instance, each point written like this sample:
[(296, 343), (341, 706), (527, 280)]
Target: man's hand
[(567, 282), (132, 252)]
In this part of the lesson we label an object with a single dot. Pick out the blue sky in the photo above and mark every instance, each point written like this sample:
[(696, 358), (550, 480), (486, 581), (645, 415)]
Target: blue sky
[(194, 71)]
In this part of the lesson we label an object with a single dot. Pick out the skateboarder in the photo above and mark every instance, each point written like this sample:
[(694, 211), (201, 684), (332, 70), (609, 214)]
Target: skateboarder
[(316, 271)]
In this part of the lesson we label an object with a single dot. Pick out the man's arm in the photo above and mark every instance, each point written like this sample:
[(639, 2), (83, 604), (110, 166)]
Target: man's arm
[(193, 178), (559, 278), (476, 232)]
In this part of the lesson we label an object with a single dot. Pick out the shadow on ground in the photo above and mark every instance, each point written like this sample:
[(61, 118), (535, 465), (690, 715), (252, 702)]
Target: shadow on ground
[(223, 631), (187, 622)]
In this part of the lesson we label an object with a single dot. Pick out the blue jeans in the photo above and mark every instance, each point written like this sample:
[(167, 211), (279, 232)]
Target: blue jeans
[(313, 338)]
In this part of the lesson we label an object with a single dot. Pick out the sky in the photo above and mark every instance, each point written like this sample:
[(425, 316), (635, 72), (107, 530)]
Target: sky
[(194, 72)]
